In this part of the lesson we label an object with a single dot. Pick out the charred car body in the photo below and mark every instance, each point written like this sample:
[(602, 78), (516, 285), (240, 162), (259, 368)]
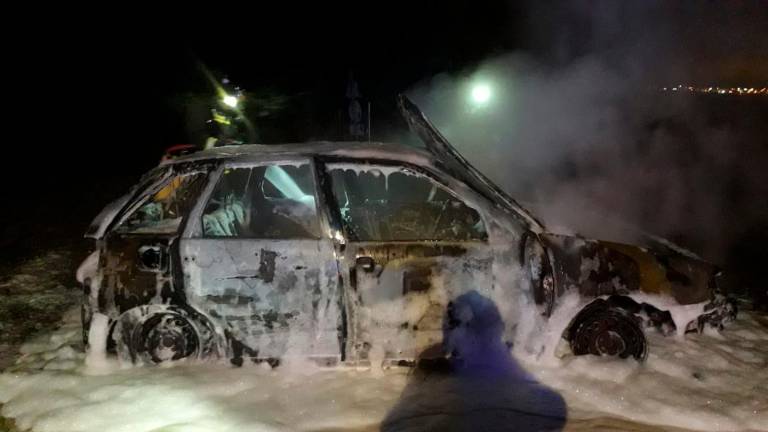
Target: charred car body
[(352, 252)]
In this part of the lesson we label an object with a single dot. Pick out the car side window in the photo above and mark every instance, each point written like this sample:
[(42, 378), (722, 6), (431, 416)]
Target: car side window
[(164, 210), (269, 201), (393, 203)]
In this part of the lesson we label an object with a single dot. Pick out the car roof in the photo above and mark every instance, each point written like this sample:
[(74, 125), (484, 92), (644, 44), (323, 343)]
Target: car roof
[(351, 149)]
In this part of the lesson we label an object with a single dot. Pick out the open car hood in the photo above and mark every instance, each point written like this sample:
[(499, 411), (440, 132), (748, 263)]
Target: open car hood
[(459, 167)]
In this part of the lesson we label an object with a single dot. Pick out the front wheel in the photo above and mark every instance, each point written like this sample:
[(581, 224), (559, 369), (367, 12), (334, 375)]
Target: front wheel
[(604, 331), (165, 337), (157, 334)]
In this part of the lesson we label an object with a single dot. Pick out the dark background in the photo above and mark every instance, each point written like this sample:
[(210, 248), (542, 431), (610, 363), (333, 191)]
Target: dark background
[(94, 97)]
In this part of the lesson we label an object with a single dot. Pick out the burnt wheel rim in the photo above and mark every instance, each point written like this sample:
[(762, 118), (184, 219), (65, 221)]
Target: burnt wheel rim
[(167, 337), (609, 333), (609, 343)]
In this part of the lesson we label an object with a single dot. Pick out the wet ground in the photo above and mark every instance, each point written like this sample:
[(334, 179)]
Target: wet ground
[(33, 298), (34, 295), (41, 245)]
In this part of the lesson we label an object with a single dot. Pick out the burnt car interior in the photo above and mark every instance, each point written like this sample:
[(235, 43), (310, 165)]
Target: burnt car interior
[(271, 201), (400, 205), (163, 211)]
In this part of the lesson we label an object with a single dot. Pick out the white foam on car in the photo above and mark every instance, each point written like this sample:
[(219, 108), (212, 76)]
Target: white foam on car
[(96, 357), (88, 267), (681, 314)]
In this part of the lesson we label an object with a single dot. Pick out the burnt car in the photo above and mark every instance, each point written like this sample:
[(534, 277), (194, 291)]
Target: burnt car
[(352, 252)]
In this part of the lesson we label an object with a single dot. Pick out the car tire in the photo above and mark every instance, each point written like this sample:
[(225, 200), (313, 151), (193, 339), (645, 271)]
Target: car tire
[(605, 331)]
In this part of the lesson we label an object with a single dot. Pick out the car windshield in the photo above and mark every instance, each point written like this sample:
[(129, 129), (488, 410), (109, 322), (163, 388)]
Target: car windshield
[(162, 211), (457, 164)]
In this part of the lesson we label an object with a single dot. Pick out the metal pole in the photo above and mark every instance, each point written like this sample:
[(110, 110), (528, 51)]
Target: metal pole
[(369, 121)]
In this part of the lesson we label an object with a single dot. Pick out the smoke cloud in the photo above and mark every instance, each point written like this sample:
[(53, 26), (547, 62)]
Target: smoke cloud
[(578, 127)]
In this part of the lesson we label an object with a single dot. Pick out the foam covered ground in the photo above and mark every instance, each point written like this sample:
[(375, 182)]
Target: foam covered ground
[(712, 381)]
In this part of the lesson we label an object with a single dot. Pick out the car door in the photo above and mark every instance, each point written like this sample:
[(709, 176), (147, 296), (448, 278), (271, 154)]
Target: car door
[(411, 246), (258, 263), (136, 263)]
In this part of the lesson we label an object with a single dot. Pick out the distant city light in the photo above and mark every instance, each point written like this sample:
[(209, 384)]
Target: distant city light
[(739, 91)]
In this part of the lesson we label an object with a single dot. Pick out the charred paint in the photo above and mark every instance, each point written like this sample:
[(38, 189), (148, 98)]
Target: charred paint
[(126, 283), (649, 315), (231, 298), (417, 279), (598, 268), (267, 265), (285, 297), (287, 282), (401, 292), (534, 258)]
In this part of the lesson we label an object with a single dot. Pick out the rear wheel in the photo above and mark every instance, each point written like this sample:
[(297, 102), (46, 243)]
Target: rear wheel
[(601, 330)]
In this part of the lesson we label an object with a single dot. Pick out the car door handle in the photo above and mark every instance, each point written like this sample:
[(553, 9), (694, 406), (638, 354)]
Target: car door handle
[(366, 263)]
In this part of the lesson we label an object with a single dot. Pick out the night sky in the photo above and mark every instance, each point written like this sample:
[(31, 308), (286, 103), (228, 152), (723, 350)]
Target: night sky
[(110, 87), (127, 89)]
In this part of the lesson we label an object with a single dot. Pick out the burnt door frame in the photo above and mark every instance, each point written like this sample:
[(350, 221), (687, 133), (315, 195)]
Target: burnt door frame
[(353, 264), (144, 284)]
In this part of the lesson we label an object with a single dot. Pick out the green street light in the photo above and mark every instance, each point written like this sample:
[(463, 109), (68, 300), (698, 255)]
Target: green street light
[(480, 94)]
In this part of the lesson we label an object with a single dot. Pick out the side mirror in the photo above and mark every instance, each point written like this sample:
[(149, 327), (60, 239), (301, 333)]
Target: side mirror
[(152, 258)]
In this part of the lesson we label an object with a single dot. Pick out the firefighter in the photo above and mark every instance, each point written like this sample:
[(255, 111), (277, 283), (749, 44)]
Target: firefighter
[(227, 124)]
